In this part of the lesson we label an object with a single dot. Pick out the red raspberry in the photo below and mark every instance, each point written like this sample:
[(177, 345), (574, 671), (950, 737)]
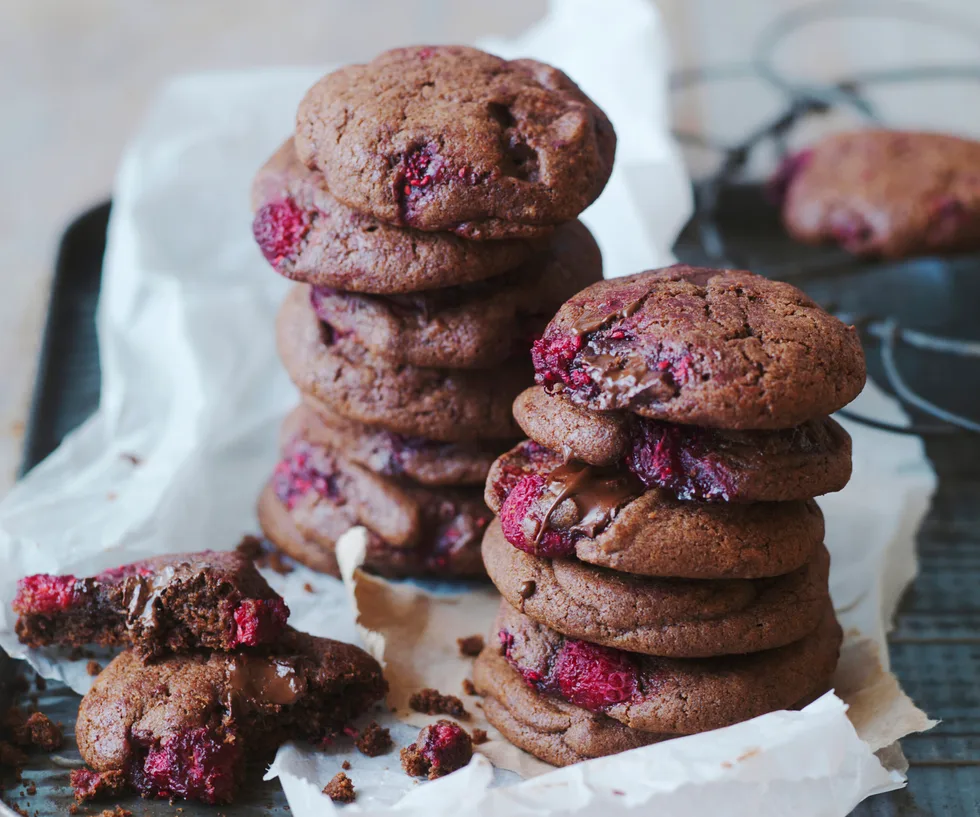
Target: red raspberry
[(420, 168), (45, 594), (259, 621), (115, 574), (591, 676), (679, 459), (553, 360), (521, 504), (197, 765), (305, 468), (279, 229)]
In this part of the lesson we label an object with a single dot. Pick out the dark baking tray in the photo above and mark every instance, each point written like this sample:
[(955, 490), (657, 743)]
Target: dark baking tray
[(66, 392), (935, 648)]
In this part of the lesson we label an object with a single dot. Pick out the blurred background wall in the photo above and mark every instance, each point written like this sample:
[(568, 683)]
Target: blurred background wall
[(75, 76)]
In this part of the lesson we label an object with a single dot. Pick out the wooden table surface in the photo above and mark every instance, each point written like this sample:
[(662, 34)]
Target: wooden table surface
[(76, 76)]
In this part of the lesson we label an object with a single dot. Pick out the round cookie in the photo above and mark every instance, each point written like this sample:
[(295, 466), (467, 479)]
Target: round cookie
[(694, 462), (452, 138), (470, 326), (550, 729), (412, 529), (610, 520), (678, 618), (311, 237), (392, 455), (716, 348), (184, 726), (443, 405), (885, 193), (669, 695)]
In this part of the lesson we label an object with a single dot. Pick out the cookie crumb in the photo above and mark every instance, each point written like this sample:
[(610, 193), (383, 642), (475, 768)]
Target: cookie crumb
[(471, 646), (250, 547), (118, 811), (38, 730), (308, 588), (413, 762), (432, 702), (340, 789), (93, 668), (132, 459), (468, 687), (375, 740), (480, 736), (441, 748), (345, 765), (30, 787), (89, 785), (73, 808)]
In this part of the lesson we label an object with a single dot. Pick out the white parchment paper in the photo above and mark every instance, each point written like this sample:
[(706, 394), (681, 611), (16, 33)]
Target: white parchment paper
[(186, 432)]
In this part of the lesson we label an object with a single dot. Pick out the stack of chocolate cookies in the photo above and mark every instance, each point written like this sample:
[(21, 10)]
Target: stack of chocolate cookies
[(658, 549), (211, 677), (427, 207)]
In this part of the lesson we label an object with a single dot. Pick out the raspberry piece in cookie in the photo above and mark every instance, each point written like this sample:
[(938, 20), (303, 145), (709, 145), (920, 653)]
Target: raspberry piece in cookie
[(279, 229), (440, 749), (214, 600)]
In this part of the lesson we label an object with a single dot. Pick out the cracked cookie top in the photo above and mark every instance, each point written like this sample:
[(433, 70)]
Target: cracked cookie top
[(307, 235), (718, 348), (452, 138)]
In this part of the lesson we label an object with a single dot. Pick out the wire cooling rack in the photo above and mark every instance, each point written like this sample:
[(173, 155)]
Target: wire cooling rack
[(736, 226)]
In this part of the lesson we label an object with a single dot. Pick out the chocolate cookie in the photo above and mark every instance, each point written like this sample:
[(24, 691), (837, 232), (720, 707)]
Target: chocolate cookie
[(606, 517), (724, 349), (470, 326), (679, 618), (412, 529), (184, 726), (885, 193), (694, 462), (677, 696), (213, 600), (389, 454), (548, 728), (451, 138), (439, 404), (311, 237)]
